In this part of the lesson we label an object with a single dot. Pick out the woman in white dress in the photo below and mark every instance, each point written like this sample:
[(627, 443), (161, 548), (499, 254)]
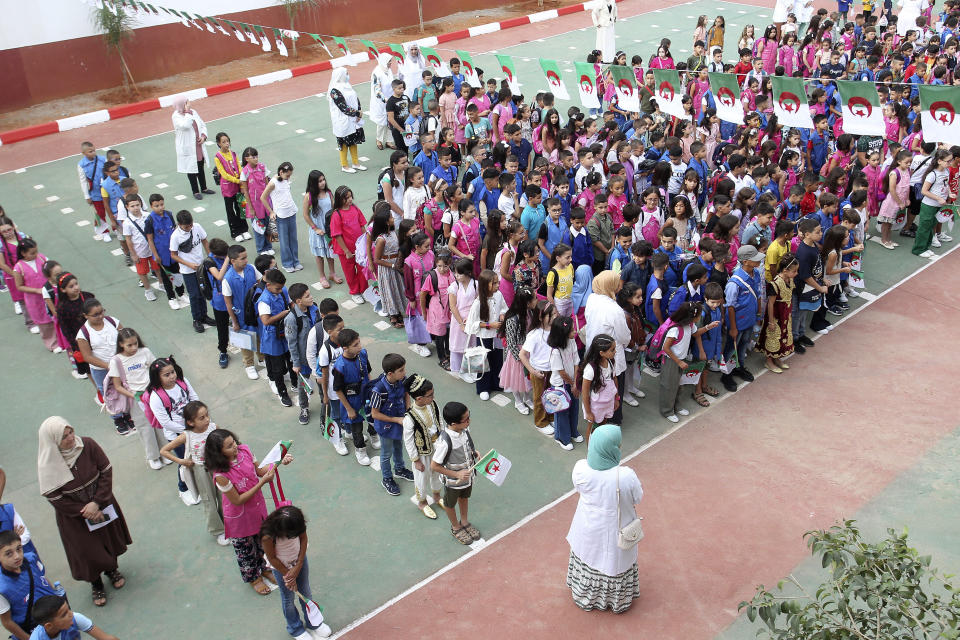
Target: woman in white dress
[(380, 90), (600, 574), (411, 71), (346, 117), (604, 15), (907, 18), (191, 134)]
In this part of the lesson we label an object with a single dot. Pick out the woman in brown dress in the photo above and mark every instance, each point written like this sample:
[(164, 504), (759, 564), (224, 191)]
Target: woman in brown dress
[(77, 478)]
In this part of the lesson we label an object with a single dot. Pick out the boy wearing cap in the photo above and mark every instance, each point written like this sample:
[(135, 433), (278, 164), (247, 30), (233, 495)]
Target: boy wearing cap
[(742, 295)]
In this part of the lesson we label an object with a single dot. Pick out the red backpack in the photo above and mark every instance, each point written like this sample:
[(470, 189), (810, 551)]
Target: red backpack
[(164, 398)]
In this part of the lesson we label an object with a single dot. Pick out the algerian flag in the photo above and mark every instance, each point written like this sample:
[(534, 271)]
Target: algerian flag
[(249, 32), (790, 103), (466, 66), (726, 366), (494, 467), (945, 215), (220, 27), (587, 83), (399, 52), (282, 48), (506, 65), (314, 611), (236, 31), (264, 40), (856, 262), (554, 79), (372, 50), (856, 280), (938, 113), (320, 41), (275, 455), (691, 375), (626, 86), (726, 95), (206, 24), (331, 431), (435, 62), (860, 103), (341, 45), (668, 92)]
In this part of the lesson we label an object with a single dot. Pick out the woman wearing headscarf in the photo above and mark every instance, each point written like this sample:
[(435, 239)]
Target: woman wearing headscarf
[(604, 315), (411, 70), (77, 478), (582, 288), (380, 90), (347, 119), (191, 134), (600, 574), (604, 16)]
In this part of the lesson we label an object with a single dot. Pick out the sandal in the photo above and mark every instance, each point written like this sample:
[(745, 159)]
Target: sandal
[(116, 579), (260, 586), (336, 279), (701, 399), (99, 597), (396, 323), (324, 283), (379, 146), (471, 531), (461, 535), (711, 391)]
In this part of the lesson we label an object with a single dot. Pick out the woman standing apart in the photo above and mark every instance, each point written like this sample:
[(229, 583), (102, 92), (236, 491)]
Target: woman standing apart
[(347, 119), (77, 478), (604, 16), (380, 90), (191, 134), (600, 574)]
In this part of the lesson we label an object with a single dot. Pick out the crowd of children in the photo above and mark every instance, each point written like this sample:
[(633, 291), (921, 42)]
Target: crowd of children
[(555, 258)]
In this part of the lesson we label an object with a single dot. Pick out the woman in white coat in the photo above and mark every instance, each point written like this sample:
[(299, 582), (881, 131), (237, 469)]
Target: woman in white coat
[(411, 71), (347, 119), (600, 574), (191, 134), (604, 315), (380, 91), (604, 15), (907, 18)]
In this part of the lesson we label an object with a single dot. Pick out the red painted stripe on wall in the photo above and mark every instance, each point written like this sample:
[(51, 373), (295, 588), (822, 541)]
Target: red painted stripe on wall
[(25, 133), (514, 22), (227, 87), (574, 8), (132, 109), (316, 67)]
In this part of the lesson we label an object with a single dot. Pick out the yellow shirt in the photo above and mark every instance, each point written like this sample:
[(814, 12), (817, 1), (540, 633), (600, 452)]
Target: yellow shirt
[(775, 253), (563, 289)]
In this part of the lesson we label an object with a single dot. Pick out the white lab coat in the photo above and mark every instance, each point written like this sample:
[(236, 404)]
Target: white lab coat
[(907, 18), (411, 72), (186, 141), (604, 315), (593, 531), (604, 15)]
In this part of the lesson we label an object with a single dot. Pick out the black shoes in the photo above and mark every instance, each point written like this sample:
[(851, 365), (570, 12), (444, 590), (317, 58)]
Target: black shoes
[(743, 374), (805, 341), (198, 326), (728, 382)]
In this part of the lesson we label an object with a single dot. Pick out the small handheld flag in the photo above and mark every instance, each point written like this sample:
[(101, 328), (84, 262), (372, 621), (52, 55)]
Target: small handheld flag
[(275, 455), (314, 611), (691, 375), (331, 431), (554, 79), (494, 467)]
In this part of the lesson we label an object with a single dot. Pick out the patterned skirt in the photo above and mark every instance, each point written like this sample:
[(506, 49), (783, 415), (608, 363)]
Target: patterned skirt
[(594, 590), (391, 290)]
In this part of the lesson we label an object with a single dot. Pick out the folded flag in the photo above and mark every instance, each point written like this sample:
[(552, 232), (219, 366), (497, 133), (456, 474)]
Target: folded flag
[(331, 431), (691, 375), (494, 467)]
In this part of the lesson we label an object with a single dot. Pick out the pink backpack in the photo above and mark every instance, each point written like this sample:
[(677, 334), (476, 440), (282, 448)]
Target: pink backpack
[(164, 398), (660, 336)]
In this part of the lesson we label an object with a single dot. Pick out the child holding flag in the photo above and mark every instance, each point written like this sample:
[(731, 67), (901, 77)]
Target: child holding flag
[(453, 458), (421, 428)]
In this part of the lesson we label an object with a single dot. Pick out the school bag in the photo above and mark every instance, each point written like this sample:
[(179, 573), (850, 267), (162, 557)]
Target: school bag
[(86, 334), (379, 184), (250, 303), (114, 401), (432, 274), (164, 398), (659, 337), (206, 286), (446, 438)]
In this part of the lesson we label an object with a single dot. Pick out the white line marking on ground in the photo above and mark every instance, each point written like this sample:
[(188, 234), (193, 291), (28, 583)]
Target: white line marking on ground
[(66, 210), (52, 198), (145, 175), (38, 186), (19, 170), (117, 251), (218, 223), (199, 209), (82, 223), (299, 131), (180, 197), (382, 325), (162, 185)]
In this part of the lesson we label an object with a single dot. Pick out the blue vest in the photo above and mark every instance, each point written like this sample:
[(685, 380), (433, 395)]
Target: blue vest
[(582, 248), (93, 170), (706, 265), (747, 303), (555, 235), (354, 372), (680, 295), (163, 226), (239, 285), (620, 254), (652, 286), (448, 175), (672, 275), (273, 341), (6, 524), (16, 587), (216, 286), (713, 339), (114, 191), (392, 403)]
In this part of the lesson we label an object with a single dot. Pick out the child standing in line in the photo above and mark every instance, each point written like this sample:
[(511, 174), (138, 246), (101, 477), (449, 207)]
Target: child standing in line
[(711, 340), (214, 270), (535, 356), (129, 374), (680, 333), (58, 622), (416, 270), (346, 226), (227, 167), (317, 203), (560, 279), (158, 227), (70, 301), (461, 294), (483, 321), (453, 458), (52, 271), (421, 428), (9, 240), (28, 272), (135, 236), (513, 331), (563, 363), (303, 316), (896, 187), (273, 305), (169, 393), (188, 245), (278, 201), (240, 279), (599, 391), (351, 383), (630, 299), (239, 479), (253, 183), (388, 404), (776, 336), (192, 441), (21, 580), (284, 538), (322, 355), (465, 235), (97, 342), (435, 306)]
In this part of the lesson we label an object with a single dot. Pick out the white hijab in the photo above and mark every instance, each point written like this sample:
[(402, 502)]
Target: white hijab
[(54, 463), (383, 63), (340, 80)]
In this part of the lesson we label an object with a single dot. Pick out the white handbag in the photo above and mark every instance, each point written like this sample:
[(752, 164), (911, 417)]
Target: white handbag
[(631, 534)]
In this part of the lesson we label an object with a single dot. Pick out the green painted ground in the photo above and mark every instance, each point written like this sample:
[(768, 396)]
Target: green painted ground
[(367, 546)]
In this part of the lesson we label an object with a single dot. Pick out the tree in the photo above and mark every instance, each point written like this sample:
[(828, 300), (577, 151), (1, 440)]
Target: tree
[(420, 13), (116, 26), (293, 9), (876, 591)]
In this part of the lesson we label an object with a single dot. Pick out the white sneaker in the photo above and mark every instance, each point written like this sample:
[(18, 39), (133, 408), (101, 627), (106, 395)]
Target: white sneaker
[(238, 238), (306, 635), (223, 541), (673, 418), (944, 237), (637, 393), (528, 402), (184, 301), (323, 631), (565, 447), (340, 448), (155, 464), (359, 167), (630, 400), (421, 350), (348, 169), (34, 329), (935, 242), (58, 349), (106, 237), (288, 269), (522, 409), (547, 430), (469, 378), (252, 372), (362, 457), (357, 299), (18, 308), (150, 295), (853, 293), (484, 395), (187, 498), (174, 304), (165, 461), (270, 252), (927, 254), (381, 313), (273, 387), (578, 439), (683, 412), (843, 298), (247, 236), (375, 441), (78, 375), (823, 332), (831, 327)]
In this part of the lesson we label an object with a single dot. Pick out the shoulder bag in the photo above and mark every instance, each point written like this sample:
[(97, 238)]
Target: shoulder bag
[(631, 534)]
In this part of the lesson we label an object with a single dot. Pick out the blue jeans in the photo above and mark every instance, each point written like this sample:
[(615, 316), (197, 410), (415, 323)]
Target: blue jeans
[(179, 452), (388, 446), (565, 422), (288, 600), (198, 306), (261, 239), (287, 230)]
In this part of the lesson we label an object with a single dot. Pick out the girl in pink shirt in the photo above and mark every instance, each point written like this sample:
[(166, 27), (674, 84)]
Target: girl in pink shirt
[(788, 57), (663, 59)]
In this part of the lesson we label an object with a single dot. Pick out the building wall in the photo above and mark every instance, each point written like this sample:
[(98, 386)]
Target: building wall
[(61, 56)]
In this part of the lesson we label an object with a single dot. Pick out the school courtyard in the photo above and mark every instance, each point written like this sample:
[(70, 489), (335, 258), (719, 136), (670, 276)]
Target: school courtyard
[(859, 427)]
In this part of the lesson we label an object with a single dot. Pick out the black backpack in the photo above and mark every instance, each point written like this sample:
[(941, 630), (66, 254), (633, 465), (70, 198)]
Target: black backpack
[(250, 303), (446, 438), (380, 183), (208, 283)]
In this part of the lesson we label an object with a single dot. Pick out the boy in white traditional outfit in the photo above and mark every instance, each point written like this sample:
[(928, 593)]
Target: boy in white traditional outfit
[(421, 428)]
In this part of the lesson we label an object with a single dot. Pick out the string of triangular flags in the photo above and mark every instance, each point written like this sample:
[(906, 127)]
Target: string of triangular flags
[(860, 102)]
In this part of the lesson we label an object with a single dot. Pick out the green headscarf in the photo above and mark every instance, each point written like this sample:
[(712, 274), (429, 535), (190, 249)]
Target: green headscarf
[(604, 449)]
